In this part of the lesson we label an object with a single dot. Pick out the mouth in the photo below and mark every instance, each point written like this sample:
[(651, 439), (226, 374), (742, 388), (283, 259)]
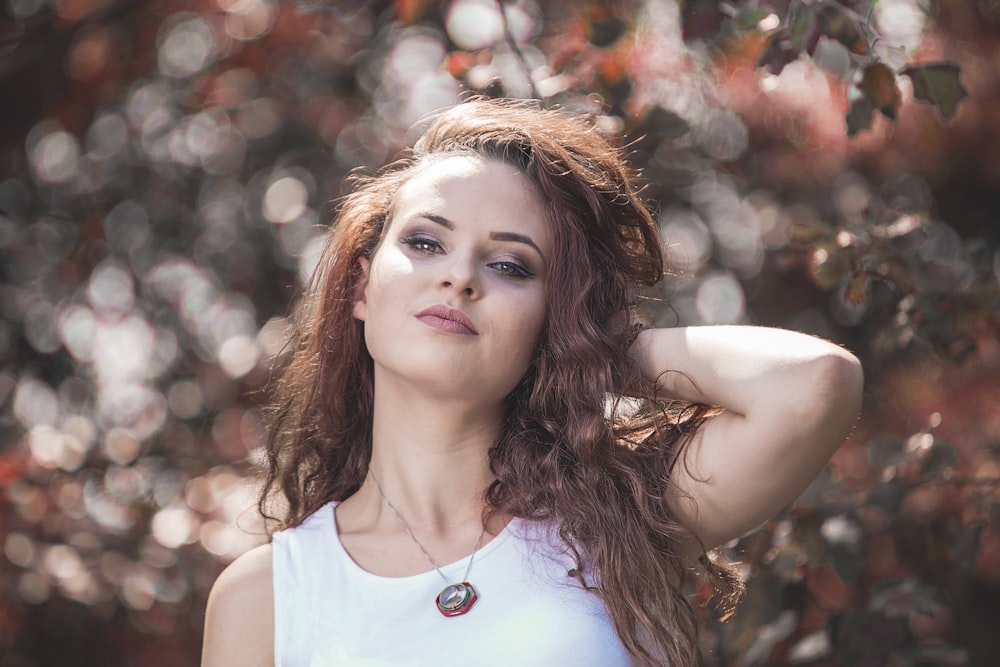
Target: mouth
[(447, 320)]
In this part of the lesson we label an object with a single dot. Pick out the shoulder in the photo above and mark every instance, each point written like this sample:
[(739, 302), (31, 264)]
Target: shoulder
[(249, 576), (239, 621)]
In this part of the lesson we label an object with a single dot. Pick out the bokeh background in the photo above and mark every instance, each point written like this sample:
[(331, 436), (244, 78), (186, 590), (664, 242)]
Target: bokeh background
[(167, 170)]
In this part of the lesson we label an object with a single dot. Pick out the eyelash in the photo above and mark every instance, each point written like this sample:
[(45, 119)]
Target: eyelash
[(425, 245), (421, 244), (512, 269)]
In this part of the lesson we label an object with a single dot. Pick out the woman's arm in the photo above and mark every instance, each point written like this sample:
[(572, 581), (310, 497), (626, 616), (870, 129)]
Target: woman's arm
[(789, 401), (239, 622)]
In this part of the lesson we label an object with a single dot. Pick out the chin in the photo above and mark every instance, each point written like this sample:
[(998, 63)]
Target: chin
[(446, 377)]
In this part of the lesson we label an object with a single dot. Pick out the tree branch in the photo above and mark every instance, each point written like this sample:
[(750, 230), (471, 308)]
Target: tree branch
[(512, 43)]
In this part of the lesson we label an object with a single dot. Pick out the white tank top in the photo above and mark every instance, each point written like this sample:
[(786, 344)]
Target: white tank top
[(328, 611)]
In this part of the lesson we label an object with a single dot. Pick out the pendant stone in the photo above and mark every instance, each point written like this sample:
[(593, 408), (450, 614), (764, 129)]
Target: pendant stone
[(457, 599)]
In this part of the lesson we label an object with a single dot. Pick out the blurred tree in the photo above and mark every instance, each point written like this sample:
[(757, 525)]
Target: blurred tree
[(166, 169)]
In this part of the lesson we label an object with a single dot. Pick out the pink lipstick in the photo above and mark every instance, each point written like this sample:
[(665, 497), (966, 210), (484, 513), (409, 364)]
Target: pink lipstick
[(447, 320)]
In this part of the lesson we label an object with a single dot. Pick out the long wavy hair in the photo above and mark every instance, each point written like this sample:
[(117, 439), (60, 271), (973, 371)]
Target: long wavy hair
[(602, 480)]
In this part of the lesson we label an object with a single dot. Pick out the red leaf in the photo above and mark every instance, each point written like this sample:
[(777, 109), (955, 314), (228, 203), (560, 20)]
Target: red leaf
[(879, 86), (12, 465), (856, 290), (411, 11), (701, 18), (459, 62)]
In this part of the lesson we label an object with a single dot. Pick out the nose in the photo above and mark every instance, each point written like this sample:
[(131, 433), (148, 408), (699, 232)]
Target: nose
[(460, 275)]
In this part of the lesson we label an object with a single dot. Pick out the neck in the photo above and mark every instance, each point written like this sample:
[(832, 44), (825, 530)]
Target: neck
[(430, 458)]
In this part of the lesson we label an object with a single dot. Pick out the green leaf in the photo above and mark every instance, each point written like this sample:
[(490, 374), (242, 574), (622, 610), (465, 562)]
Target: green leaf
[(942, 533), (849, 564), (606, 32), (863, 637), (750, 17), (886, 451), (664, 124), (835, 24), (828, 267), (804, 34), (860, 115), (942, 455), (808, 231), (939, 85), (887, 496), (779, 52)]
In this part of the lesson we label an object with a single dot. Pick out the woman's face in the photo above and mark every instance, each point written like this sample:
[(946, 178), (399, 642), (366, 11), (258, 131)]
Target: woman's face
[(453, 299)]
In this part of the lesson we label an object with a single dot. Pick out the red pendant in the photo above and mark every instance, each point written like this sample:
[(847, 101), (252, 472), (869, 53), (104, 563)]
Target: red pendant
[(457, 599)]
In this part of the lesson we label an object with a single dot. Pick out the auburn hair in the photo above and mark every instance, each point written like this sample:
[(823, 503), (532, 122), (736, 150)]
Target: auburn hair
[(566, 454)]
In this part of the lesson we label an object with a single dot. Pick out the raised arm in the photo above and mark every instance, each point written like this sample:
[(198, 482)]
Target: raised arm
[(789, 401), (239, 622)]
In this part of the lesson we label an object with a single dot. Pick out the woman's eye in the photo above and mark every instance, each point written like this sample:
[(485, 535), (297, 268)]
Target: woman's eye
[(422, 244), (512, 269)]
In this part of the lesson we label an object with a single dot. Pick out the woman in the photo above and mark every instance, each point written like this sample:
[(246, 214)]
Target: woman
[(460, 481)]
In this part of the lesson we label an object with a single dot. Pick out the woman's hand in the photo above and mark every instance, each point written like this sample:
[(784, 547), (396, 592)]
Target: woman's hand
[(789, 401)]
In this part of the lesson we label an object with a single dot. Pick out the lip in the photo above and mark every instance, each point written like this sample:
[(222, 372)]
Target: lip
[(447, 320)]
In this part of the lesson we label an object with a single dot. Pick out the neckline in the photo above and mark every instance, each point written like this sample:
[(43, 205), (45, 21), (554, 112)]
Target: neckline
[(456, 567)]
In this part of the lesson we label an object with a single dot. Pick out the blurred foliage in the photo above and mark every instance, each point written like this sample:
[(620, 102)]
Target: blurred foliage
[(166, 170)]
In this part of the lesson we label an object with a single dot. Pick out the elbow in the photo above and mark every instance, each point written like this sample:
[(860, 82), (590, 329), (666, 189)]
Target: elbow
[(847, 377), (837, 386)]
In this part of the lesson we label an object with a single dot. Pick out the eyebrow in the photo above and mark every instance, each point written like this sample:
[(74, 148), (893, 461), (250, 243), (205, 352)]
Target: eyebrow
[(496, 236)]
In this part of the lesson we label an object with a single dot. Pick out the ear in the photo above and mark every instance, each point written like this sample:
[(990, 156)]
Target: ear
[(360, 310)]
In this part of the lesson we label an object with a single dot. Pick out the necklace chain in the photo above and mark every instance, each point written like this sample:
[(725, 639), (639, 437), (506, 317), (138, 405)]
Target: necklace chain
[(409, 531)]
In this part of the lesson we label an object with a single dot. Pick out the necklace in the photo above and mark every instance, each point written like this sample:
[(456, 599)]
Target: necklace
[(454, 599)]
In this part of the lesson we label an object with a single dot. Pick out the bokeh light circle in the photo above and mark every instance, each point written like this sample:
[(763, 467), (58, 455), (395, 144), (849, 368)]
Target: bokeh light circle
[(720, 299)]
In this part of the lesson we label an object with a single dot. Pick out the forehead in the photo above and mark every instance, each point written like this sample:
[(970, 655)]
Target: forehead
[(439, 169), (474, 189)]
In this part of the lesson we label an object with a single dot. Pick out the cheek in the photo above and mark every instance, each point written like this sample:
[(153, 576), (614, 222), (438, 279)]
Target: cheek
[(538, 323), (389, 272), (385, 265), (524, 331)]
